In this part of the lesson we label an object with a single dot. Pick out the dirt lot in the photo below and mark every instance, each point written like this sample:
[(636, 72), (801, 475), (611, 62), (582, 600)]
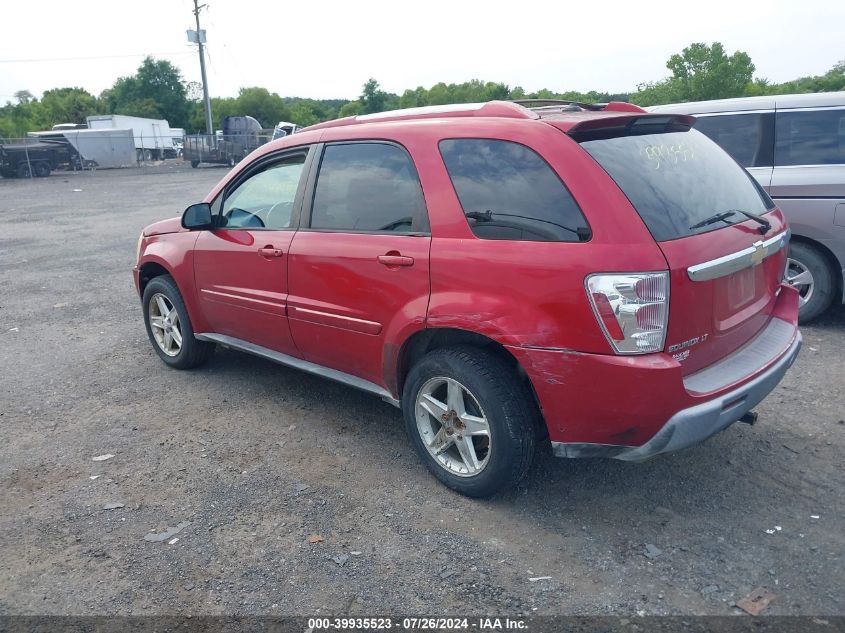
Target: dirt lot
[(258, 457)]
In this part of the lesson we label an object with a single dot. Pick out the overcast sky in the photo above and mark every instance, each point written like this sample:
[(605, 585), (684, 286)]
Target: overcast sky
[(329, 48)]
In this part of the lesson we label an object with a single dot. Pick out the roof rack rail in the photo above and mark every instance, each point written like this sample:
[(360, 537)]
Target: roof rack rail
[(504, 109)]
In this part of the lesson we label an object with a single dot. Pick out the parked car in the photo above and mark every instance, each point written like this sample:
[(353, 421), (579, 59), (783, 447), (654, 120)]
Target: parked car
[(794, 145), (607, 280)]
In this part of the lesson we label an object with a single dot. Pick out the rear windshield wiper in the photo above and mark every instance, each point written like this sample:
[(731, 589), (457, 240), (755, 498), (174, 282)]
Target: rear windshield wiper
[(724, 215), (718, 217), (759, 219)]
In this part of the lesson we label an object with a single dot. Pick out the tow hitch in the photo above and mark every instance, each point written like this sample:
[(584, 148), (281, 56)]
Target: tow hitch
[(749, 418)]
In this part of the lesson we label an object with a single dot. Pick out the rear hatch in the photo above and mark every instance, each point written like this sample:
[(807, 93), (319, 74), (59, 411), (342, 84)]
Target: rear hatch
[(725, 267)]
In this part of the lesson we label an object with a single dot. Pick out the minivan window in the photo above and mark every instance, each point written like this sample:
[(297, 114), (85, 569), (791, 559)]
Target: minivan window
[(740, 135), (369, 187), (677, 180), (508, 192), (810, 137)]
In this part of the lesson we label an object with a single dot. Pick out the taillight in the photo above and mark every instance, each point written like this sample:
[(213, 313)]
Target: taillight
[(632, 309)]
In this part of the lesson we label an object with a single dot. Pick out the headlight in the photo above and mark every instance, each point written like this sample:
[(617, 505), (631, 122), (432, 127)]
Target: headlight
[(138, 248)]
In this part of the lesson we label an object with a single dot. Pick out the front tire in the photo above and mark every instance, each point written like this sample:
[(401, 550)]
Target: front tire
[(808, 272), (471, 421), (169, 326)]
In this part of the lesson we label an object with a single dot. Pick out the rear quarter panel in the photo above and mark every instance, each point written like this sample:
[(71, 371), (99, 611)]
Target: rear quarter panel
[(523, 293)]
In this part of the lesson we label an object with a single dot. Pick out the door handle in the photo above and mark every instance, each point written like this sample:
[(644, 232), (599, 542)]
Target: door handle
[(269, 251), (395, 260)]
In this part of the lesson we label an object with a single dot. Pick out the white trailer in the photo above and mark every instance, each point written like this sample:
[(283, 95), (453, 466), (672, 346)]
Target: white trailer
[(97, 148), (152, 136)]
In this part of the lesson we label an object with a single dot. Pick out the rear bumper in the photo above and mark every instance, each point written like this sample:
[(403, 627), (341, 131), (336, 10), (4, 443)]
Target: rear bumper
[(694, 424), (635, 407)]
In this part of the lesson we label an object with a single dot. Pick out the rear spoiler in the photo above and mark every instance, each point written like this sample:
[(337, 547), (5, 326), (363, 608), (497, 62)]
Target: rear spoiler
[(633, 124)]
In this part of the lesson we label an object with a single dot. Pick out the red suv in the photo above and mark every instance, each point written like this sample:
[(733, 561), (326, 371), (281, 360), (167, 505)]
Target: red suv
[(602, 277)]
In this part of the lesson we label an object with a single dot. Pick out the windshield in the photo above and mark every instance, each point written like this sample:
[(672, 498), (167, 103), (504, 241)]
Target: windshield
[(679, 181)]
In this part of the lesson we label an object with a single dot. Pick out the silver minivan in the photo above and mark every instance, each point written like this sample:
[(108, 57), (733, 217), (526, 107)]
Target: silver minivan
[(794, 145)]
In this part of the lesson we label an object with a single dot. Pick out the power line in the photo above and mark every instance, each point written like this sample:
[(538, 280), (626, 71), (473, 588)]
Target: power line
[(71, 59)]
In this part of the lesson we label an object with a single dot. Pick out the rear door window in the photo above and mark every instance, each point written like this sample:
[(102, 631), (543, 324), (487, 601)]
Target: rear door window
[(368, 187), (810, 137), (676, 180), (746, 137), (508, 192)]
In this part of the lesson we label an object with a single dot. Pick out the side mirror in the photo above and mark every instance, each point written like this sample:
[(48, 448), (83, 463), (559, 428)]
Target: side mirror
[(197, 217)]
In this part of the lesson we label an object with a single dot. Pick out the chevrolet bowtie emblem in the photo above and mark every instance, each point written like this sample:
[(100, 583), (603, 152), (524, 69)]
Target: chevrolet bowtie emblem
[(759, 253)]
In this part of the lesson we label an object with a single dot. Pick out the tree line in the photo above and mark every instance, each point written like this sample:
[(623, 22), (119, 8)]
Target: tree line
[(157, 90)]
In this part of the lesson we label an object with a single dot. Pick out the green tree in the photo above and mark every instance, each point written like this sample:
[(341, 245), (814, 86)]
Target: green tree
[(656, 93), (302, 114), (701, 72), (373, 98), (351, 109), (415, 98), (156, 90), (24, 97), (18, 119), (267, 107), (67, 105)]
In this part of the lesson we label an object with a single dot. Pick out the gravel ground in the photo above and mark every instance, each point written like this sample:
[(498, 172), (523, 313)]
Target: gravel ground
[(253, 459)]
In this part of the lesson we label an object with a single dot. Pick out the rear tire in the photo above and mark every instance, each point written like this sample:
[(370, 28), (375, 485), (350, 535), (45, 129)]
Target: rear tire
[(42, 169), (24, 170), (162, 299), (808, 272), (484, 449), (195, 163)]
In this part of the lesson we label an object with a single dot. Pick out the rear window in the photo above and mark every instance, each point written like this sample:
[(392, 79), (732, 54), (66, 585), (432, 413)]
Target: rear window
[(677, 180)]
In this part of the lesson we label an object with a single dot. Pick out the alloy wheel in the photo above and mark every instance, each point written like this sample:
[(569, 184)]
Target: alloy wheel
[(799, 277), (453, 426), (165, 324)]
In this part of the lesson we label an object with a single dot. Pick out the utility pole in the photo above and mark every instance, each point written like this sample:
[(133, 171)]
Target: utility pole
[(200, 37)]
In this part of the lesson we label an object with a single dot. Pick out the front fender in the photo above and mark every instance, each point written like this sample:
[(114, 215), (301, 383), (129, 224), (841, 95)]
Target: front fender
[(174, 253)]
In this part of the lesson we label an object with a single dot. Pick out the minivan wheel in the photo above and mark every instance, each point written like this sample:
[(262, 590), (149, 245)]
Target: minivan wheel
[(807, 271), (470, 419), (169, 327)]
